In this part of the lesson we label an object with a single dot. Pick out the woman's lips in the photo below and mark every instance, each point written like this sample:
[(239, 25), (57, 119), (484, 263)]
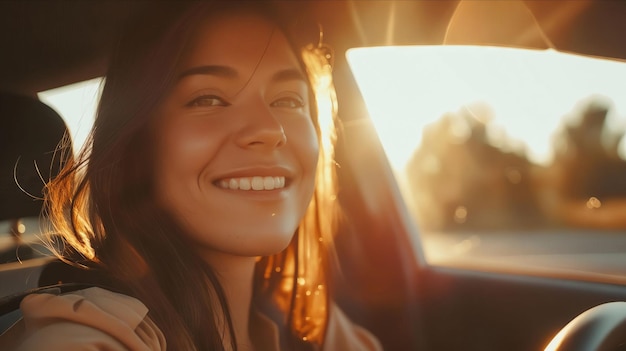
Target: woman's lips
[(254, 183)]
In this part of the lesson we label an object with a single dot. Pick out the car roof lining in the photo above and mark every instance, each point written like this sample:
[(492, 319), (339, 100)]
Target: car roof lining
[(44, 49)]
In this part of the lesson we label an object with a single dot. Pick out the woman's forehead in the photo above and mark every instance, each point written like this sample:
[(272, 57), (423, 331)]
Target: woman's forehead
[(235, 23), (238, 38)]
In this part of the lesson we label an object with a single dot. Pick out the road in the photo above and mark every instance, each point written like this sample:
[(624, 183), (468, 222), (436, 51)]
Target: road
[(599, 255)]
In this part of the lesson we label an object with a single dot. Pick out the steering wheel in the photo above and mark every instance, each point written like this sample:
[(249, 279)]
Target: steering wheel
[(600, 328)]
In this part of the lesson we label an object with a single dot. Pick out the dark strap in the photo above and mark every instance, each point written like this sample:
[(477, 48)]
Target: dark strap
[(58, 272), (58, 278)]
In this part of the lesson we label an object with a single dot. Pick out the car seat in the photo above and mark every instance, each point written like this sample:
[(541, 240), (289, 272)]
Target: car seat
[(34, 146)]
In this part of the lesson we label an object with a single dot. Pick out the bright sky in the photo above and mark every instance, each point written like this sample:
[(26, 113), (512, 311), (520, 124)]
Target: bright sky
[(529, 91)]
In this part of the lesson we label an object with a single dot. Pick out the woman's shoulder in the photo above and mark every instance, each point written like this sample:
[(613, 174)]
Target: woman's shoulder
[(86, 318), (343, 334)]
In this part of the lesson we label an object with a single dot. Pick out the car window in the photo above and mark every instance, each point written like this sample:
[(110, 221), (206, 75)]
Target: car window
[(507, 158), (14, 232), (77, 104)]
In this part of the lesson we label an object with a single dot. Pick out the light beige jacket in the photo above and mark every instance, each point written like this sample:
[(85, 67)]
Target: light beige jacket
[(95, 319)]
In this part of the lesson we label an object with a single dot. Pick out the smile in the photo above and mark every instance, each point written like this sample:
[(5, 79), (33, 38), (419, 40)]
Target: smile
[(252, 183)]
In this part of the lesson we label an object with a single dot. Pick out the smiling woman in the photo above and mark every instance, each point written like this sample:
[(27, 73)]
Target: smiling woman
[(203, 192), (237, 114), (505, 240)]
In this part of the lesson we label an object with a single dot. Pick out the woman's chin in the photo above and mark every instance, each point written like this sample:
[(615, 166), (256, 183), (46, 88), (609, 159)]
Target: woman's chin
[(267, 247)]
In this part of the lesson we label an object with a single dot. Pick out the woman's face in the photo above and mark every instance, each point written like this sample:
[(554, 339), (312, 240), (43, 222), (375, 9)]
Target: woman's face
[(236, 147)]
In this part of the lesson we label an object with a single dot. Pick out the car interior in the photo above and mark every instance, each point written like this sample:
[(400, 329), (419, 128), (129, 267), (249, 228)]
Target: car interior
[(416, 281)]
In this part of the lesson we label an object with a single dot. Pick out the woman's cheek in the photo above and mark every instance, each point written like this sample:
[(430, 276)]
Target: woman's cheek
[(190, 144)]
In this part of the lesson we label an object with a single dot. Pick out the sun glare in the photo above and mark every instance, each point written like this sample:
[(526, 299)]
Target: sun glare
[(523, 94)]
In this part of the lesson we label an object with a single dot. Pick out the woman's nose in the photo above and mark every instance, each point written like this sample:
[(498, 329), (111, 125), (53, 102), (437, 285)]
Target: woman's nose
[(261, 130)]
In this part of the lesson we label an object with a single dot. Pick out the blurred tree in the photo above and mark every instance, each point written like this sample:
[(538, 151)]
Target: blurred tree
[(460, 181), (588, 174)]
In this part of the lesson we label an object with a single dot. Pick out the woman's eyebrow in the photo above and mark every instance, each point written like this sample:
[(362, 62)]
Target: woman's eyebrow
[(288, 74), (213, 70), (229, 72)]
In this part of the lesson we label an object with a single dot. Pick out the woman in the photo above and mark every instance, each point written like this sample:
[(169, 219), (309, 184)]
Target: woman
[(206, 158)]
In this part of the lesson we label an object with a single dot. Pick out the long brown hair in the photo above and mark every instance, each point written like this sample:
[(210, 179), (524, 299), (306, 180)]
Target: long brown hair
[(103, 204)]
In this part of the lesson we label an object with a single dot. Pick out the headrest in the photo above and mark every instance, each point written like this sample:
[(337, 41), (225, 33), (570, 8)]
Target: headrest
[(30, 153)]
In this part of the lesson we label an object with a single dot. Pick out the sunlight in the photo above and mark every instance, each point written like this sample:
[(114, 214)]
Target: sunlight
[(524, 93), (77, 104)]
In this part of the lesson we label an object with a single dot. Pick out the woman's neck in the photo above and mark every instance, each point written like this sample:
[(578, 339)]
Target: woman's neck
[(235, 274)]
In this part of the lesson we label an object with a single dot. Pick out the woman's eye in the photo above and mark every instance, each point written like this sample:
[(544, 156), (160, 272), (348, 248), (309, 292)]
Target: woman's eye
[(207, 101), (288, 102)]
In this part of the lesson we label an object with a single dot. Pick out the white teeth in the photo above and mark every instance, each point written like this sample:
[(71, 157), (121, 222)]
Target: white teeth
[(268, 183), (257, 183), (252, 183), (232, 184), (279, 182), (244, 184)]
